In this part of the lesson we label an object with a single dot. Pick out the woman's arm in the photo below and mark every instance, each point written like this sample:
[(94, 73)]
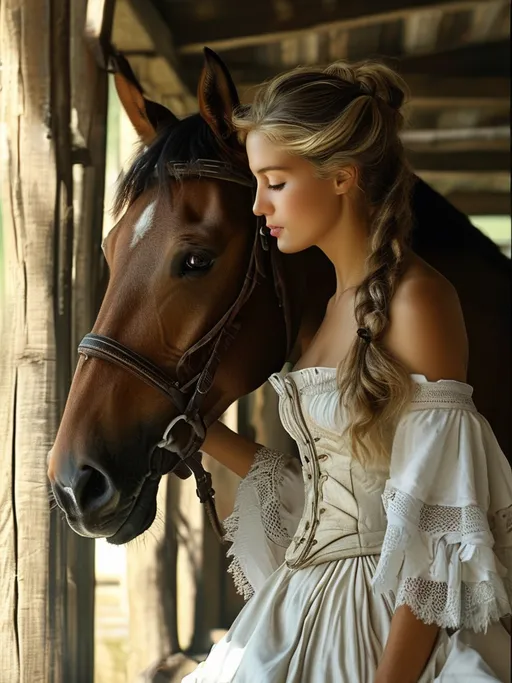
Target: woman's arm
[(427, 334), (229, 448), (408, 648)]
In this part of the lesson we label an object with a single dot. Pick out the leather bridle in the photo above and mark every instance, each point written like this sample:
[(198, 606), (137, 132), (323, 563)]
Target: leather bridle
[(188, 394)]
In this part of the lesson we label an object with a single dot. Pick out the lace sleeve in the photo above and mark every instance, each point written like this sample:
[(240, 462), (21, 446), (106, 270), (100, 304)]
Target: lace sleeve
[(440, 562), (447, 551), (268, 506)]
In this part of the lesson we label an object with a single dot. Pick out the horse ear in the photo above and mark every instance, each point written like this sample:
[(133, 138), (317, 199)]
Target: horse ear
[(146, 116), (217, 95)]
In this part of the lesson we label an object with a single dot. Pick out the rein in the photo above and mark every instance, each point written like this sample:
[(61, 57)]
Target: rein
[(188, 395)]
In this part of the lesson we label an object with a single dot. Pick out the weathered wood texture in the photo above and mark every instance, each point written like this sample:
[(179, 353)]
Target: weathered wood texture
[(233, 25), (30, 623), (89, 97), (46, 571)]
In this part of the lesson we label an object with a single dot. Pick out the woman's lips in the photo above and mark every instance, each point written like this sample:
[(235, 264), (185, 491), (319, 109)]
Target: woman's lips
[(274, 230)]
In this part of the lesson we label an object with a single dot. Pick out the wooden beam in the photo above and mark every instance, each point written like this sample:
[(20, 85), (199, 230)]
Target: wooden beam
[(466, 140), (482, 60), (163, 40), (481, 203), (447, 182), (98, 28), (160, 84), (90, 266), (35, 153), (239, 24), (476, 63), (463, 171), (440, 92), (158, 30), (127, 32), (460, 162), (443, 136)]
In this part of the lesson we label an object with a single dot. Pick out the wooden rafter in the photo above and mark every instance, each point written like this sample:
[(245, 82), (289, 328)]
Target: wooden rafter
[(446, 140), (481, 203), (486, 136), (470, 93), (440, 92), (243, 24), (448, 181), (157, 29), (98, 28), (461, 162), (475, 61), (467, 171)]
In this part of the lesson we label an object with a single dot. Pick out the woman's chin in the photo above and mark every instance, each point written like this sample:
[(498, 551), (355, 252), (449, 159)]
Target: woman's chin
[(285, 247)]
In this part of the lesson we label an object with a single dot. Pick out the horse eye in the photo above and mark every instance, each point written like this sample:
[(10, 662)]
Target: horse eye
[(197, 262)]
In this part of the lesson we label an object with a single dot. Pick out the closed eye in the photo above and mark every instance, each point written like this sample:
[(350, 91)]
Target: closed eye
[(276, 187)]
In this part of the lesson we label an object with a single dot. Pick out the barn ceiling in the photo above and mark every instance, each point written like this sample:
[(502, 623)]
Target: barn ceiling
[(454, 54)]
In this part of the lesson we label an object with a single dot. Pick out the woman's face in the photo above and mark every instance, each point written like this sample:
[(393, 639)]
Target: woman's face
[(300, 209)]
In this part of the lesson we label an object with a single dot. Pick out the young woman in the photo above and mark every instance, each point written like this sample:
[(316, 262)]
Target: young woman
[(384, 556)]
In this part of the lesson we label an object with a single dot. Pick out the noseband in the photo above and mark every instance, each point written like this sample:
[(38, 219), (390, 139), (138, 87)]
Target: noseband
[(188, 395)]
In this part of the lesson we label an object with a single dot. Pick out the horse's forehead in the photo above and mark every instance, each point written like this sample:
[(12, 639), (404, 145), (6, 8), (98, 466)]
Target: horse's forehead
[(144, 223), (207, 199)]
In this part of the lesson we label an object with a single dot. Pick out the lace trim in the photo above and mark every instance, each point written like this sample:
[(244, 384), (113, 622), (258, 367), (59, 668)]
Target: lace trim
[(265, 475), (436, 519), (319, 387), (240, 581), (434, 395), (472, 605), (449, 604)]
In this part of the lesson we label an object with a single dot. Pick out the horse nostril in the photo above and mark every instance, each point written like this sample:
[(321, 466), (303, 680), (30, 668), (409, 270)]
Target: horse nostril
[(82, 489), (93, 490)]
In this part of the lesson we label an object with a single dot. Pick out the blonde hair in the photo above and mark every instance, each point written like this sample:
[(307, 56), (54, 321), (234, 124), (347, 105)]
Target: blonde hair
[(350, 114)]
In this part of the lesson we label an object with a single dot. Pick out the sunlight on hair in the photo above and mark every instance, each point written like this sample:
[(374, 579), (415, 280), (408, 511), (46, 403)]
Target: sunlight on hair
[(351, 114)]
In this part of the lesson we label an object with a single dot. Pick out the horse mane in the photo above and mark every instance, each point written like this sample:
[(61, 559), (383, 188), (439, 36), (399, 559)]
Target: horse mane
[(190, 139)]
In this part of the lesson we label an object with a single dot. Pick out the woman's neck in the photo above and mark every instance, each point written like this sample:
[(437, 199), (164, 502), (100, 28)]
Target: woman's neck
[(347, 247)]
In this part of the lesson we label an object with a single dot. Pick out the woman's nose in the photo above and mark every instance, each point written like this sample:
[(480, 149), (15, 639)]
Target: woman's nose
[(260, 207)]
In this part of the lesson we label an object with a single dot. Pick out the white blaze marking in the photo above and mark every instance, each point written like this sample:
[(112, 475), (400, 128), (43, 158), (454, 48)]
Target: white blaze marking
[(143, 224)]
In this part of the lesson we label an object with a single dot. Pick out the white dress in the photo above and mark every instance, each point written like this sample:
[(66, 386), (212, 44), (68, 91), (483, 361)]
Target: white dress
[(325, 550)]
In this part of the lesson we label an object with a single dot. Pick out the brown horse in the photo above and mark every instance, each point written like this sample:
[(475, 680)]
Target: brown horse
[(183, 250)]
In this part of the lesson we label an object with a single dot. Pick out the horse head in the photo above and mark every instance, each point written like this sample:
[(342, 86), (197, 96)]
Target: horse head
[(187, 275)]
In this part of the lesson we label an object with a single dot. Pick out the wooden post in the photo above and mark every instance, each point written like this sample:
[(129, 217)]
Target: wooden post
[(89, 99), (46, 571), (31, 626)]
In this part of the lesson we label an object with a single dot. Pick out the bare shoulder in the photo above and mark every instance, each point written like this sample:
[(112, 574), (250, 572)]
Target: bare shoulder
[(427, 331)]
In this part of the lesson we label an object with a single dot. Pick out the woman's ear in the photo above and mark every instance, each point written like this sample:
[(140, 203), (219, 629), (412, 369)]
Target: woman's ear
[(346, 179)]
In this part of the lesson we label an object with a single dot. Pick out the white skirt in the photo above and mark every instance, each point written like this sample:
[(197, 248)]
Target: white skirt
[(324, 624)]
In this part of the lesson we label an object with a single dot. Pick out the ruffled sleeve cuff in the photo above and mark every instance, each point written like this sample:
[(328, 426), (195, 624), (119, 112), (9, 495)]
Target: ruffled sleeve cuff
[(267, 510), (447, 551), (440, 562)]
